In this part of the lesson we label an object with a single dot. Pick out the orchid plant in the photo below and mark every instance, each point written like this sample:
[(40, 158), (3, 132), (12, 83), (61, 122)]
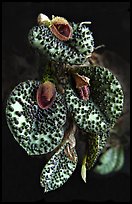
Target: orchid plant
[(73, 97)]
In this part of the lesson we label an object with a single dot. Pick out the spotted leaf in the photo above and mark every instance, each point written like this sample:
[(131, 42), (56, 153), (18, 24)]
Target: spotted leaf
[(105, 92), (37, 131), (74, 51), (58, 169), (85, 113)]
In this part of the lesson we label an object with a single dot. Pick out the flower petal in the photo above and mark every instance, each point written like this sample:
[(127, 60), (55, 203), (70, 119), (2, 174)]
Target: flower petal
[(37, 131)]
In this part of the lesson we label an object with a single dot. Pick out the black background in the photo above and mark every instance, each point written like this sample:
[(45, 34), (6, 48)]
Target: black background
[(20, 173)]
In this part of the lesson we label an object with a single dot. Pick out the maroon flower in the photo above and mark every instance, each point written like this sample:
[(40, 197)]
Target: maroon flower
[(46, 94), (61, 28), (82, 85)]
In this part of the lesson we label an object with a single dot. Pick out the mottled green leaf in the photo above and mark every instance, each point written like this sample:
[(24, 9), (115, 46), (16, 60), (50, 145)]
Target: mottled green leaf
[(105, 91), (37, 131), (110, 161), (58, 169), (120, 159)]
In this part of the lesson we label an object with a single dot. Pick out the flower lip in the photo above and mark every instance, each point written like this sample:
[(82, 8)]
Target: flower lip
[(61, 28), (46, 94), (84, 93)]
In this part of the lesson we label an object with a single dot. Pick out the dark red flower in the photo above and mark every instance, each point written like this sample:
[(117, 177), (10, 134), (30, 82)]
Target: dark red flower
[(46, 94), (82, 85), (61, 28)]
